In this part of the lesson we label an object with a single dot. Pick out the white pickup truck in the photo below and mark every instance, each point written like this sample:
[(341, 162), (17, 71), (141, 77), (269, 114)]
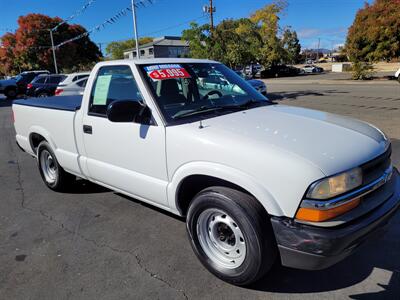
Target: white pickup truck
[(256, 181)]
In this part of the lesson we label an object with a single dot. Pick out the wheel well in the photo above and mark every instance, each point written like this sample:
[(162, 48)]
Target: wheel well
[(10, 88), (35, 140), (192, 185)]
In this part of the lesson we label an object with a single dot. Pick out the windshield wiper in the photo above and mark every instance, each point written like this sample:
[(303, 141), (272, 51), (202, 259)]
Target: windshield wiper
[(202, 109), (245, 104)]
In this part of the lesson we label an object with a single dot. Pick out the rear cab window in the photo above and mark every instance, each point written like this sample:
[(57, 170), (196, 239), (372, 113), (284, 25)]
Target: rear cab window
[(112, 83)]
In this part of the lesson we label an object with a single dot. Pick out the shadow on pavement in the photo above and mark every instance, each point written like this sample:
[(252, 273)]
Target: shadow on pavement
[(295, 95), (82, 186)]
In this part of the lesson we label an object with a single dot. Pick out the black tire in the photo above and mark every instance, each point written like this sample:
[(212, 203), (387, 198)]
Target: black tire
[(398, 79), (62, 180), (11, 93), (253, 222), (43, 95)]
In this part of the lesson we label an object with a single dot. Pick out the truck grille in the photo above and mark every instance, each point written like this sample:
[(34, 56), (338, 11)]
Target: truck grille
[(374, 169)]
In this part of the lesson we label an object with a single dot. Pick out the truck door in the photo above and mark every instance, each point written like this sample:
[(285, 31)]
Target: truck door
[(128, 157)]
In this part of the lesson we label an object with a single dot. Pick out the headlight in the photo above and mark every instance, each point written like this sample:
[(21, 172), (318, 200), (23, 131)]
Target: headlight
[(332, 186)]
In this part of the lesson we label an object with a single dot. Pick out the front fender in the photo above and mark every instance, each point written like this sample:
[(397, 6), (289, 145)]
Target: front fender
[(226, 173)]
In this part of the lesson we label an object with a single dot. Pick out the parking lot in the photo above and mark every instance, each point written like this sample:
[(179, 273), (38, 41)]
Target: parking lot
[(94, 243)]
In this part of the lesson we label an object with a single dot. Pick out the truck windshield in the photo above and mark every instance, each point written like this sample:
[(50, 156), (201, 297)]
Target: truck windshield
[(193, 90)]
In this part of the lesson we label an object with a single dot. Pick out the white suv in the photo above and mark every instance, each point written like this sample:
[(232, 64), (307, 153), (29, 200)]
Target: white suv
[(74, 77)]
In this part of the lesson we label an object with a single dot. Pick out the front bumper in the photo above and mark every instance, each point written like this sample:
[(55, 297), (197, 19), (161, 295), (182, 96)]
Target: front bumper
[(310, 247)]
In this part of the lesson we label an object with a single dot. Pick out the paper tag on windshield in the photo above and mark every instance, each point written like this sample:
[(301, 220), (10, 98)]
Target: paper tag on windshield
[(166, 71), (101, 90)]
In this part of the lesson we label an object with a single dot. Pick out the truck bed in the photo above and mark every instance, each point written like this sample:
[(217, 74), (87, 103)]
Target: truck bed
[(68, 103)]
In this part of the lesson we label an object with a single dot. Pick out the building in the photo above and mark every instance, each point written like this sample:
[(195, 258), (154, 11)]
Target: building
[(166, 46)]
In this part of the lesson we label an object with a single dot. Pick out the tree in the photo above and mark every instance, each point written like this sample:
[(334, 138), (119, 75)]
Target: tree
[(30, 47), (267, 19), (375, 33), (291, 45), (199, 40), (115, 50), (239, 42)]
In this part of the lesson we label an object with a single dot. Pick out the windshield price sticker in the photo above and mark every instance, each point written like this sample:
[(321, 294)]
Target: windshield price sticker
[(168, 71)]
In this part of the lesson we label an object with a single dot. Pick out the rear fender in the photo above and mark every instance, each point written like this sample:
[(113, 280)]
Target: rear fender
[(44, 133)]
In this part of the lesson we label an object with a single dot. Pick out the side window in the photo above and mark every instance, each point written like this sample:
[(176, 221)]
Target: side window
[(82, 83), (55, 79), (41, 79), (81, 76), (111, 84)]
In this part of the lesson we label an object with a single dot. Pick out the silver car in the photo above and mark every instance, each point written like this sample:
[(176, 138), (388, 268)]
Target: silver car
[(73, 88)]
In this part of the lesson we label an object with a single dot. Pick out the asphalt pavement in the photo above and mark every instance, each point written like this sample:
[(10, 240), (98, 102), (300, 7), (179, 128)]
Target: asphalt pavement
[(92, 243)]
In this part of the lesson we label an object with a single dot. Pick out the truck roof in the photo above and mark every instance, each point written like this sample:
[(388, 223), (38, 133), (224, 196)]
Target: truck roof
[(143, 61)]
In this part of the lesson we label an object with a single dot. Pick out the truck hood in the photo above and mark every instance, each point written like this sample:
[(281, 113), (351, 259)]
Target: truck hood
[(330, 142)]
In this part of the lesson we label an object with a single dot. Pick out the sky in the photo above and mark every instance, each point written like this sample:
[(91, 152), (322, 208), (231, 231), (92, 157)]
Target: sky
[(327, 20)]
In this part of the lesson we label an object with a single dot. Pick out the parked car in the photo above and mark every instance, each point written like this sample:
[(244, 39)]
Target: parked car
[(44, 85), (280, 71), (69, 78), (256, 181), (73, 88), (397, 75), (312, 69), (18, 85), (259, 85), (253, 70)]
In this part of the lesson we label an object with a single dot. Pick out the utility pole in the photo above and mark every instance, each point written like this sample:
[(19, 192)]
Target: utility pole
[(135, 29), (319, 40), (210, 10), (54, 51), (211, 15)]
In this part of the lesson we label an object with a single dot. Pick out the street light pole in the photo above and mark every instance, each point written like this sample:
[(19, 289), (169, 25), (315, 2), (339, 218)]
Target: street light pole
[(54, 52), (135, 29)]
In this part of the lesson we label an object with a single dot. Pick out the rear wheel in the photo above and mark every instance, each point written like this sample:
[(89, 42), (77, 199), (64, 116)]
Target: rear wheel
[(230, 234), (52, 173), (43, 95), (11, 93)]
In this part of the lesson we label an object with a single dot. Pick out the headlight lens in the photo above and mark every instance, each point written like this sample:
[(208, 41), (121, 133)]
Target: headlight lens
[(332, 186)]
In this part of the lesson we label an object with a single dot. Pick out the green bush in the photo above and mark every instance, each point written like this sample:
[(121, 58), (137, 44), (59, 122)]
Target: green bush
[(362, 71)]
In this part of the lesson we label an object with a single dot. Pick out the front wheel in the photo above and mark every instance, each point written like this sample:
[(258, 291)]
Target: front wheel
[(50, 170), (231, 235)]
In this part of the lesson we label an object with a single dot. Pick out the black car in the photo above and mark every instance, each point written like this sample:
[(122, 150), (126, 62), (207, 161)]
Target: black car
[(280, 71), (18, 84), (44, 85)]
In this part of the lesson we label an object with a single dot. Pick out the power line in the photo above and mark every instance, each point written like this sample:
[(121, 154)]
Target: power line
[(74, 15), (107, 22), (159, 30), (174, 26)]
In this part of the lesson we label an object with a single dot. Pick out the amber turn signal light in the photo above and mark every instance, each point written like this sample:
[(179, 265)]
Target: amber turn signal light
[(317, 215)]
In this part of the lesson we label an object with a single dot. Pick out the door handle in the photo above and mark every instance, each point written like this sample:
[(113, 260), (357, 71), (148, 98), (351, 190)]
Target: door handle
[(87, 129)]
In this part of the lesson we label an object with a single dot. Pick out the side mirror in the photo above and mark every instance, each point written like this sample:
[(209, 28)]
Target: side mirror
[(128, 111)]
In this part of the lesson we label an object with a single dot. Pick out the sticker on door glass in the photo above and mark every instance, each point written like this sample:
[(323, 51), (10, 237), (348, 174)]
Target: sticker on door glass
[(101, 89), (166, 71)]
